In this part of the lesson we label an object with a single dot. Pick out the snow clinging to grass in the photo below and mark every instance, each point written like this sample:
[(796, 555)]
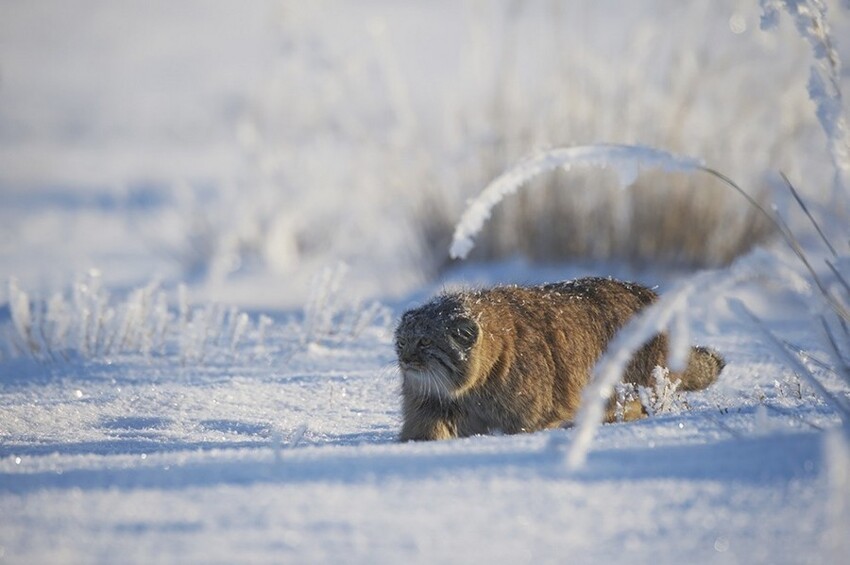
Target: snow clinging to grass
[(626, 160), (810, 19)]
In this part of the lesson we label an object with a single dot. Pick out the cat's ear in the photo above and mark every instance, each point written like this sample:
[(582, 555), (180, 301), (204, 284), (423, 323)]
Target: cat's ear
[(465, 332)]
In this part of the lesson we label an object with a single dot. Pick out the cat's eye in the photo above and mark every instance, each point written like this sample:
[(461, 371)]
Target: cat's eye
[(425, 342), (401, 342)]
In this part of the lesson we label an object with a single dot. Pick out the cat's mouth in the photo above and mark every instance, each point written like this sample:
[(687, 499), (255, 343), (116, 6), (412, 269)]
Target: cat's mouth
[(413, 364), (417, 366)]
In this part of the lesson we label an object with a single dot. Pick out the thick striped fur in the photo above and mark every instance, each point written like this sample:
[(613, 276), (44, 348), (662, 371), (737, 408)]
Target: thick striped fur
[(515, 359)]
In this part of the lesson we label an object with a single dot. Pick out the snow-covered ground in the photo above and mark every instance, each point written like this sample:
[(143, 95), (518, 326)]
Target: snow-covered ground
[(284, 451), (205, 241)]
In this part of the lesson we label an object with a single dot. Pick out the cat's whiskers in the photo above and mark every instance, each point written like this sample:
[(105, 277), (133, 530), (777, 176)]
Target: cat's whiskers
[(431, 381)]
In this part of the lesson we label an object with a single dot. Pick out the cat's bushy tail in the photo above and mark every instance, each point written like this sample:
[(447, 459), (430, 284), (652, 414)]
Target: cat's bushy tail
[(704, 365)]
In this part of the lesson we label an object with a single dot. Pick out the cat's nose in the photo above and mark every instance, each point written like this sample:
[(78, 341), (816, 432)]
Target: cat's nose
[(408, 356), (405, 357)]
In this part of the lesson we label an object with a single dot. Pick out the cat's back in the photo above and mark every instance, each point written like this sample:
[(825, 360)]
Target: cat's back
[(577, 303), (557, 329)]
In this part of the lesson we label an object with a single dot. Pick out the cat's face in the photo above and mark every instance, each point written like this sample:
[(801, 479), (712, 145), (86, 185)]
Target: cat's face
[(433, 343)]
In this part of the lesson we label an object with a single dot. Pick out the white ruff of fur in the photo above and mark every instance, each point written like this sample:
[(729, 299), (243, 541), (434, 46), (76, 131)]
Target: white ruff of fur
[(432, 381)]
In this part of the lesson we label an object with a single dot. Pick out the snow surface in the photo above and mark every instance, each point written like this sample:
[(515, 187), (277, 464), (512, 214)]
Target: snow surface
[(188, 373)]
